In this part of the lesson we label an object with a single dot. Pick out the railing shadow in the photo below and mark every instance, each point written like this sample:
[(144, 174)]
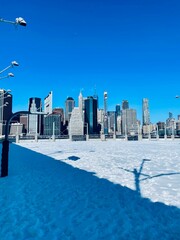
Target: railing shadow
[(43, 198)]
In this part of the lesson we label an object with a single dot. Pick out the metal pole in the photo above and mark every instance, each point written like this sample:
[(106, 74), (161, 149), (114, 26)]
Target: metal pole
[(36, 134), (5, 143), (165, 135), (53, 136)]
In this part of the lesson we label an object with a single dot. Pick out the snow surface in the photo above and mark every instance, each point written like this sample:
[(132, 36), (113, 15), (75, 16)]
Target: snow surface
[(91, 190)]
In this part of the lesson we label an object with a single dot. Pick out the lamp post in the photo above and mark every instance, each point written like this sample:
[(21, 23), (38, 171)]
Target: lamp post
[(53, 136), (157, 132), (5, 143), (18, 21), (7, 76), (165, 134), (87, 131), (13, 64)]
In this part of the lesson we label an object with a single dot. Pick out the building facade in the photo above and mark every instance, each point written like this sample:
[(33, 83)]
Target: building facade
[(69, 105), (52, 125), (105, 113), (76, 124), (5, 109), (35, 122), (145, 112), (129, 122), (90, 118), (48, 103), (112, 123), (125, 104)]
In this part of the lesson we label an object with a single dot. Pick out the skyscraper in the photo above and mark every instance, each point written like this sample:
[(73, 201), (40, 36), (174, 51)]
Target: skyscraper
[(5, 109), (76, 125), (81, 104), (145, 112), (48, 103), (90, 105), (105, 113), (129, 121), (125, 104), (52, 121), (59, 111), (69, 105), (111, 121), (35, 121), (118, 110)]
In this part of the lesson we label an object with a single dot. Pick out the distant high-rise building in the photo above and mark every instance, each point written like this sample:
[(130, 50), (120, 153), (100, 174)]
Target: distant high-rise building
[(145, 112), (76, 124), (52, 125), (117, 117), (118, 110), (129, 121), (111, 121), (170, 124), (90, 105), (119, 124), (24, 122), (100, 116), (81, 103), (105, 113), (16, 129), (59, 111), (48, 103), (95, 96), (69, 105), (125, 104), (5, 109), (161, 128), (35, 121)]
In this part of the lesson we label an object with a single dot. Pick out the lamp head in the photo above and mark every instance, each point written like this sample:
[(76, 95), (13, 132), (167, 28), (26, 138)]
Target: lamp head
[(21, 21), (10, 75), (14, 63)]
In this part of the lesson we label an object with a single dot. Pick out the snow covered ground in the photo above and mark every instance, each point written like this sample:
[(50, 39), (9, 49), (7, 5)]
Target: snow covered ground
[(91, 190)]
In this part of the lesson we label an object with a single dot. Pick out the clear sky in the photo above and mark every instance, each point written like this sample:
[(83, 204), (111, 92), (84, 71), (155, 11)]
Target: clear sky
[(129, 48)]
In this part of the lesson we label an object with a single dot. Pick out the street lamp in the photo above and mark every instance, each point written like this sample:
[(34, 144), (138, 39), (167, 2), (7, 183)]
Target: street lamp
[(13, 64), (5, 143), (7, 76), (87, 131), (18, 21)]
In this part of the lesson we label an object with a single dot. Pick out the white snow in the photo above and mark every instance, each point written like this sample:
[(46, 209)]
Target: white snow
[(91, 190)]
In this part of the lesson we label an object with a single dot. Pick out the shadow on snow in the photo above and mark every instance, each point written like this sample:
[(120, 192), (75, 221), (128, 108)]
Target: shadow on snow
[(138, 173), (43, 198)]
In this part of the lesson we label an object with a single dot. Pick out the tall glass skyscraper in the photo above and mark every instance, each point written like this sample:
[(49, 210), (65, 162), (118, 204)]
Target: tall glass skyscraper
[(52, 121), (118, 110), (69, 105), (90, 105), (145, 111)]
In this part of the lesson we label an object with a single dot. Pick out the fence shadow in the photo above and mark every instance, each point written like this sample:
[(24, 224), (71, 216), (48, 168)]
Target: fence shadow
[(43, 198)]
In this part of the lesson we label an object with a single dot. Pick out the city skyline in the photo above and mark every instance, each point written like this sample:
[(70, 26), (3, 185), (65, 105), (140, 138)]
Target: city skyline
[(77, 104), (131, 50)]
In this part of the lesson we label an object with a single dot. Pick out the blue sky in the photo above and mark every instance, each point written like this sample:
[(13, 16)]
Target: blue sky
[(129, 48)]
